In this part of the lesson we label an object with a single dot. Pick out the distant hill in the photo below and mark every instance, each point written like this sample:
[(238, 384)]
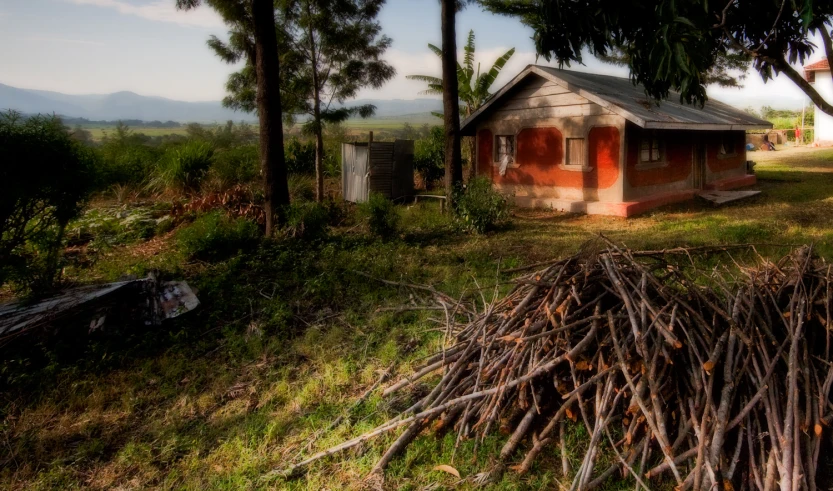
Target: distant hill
[(119, 105), (129, 105)]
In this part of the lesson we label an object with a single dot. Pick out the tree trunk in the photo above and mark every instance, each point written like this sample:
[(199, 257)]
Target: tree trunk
[(267, 66), (451, 103), (319, 126), (472, 142)]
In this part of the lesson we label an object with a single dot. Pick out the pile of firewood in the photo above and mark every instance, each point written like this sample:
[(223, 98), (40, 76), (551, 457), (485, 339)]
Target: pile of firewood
[(715, 381)]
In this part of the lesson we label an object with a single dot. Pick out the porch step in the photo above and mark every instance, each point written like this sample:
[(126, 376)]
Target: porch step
[(722, 197)]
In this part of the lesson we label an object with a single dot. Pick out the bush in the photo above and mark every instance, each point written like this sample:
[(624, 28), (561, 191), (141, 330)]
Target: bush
[(216, 236), (381, 215), (236, 165), (301, 188), (183, 167), (429, 155), (308, 221), (127, 158), (300, 156), (479, 208), (45, 176)]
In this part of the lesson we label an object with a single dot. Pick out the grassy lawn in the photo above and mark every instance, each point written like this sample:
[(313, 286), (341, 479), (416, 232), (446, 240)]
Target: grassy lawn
[(289, 336)]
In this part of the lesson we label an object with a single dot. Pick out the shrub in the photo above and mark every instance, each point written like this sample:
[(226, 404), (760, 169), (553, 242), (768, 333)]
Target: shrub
[(301, 188), (216, 236), (381, 215), (429, 155), (300, 156), (479, 208), (183, 167), (126, 157), (236, 165), (45, 176), (308, 221)]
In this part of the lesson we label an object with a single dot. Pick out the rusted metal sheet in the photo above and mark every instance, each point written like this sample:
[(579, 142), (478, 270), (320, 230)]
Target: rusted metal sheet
[(155, 300), (387, 168)]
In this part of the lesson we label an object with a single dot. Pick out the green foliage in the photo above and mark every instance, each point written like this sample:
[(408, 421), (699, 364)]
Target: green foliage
[(479, 208), (334, 135), (429, 155), (301, 188), (381, 215), (300, 156), (126, 157), (45, 176), (307, 220), (215, 236), (183, 167), (473, 87), (674, 45), (235, 165)]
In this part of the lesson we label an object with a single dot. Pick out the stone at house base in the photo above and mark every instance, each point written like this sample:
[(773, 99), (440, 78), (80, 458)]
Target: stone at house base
[(722, 197)]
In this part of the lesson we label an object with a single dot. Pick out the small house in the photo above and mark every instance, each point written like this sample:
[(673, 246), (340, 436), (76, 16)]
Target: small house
[(386, 168), (597, 144), (818, 74)]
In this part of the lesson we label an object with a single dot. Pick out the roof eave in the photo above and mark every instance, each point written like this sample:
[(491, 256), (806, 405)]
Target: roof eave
[(661, 125)]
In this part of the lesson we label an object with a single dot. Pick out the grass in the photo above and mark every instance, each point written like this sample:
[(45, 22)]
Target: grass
[(288, 336)]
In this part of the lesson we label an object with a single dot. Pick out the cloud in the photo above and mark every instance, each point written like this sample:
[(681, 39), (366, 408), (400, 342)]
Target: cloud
[(63, 41), (160, 11)]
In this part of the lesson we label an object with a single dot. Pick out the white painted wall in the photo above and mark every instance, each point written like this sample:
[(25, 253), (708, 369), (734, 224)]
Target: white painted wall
[(824, 122)]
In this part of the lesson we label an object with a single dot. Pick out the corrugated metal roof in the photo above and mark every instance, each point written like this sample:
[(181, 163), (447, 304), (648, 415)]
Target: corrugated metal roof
[(622, 97)]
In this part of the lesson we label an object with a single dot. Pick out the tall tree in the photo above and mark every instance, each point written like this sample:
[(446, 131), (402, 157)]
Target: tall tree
[(339, 46), (451, 98), (674, 45), (252, 29), (474, 87)]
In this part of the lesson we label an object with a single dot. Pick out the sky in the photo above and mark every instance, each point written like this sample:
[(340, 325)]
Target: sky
[(148, 47)]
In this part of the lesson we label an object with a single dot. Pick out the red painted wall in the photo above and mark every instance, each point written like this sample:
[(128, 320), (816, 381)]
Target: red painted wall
[(540, 151), (720, 164), (678, 155)]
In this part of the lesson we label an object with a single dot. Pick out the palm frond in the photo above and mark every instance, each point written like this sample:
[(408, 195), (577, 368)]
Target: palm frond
[(425, 78), (484, 83), (437, 51), (468, 57)]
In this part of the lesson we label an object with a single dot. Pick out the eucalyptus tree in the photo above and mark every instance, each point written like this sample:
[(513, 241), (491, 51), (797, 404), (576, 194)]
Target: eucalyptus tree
[(338, 48), (474, 86), (252, 34), (674, 45)]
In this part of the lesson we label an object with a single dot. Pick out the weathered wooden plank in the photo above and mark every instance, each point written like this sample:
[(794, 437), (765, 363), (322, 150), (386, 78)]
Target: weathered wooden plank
[(553, 112), (549, 89), (558, 100)]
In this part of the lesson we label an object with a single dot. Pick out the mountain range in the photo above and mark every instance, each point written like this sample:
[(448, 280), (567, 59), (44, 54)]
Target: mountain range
[(129, 105)]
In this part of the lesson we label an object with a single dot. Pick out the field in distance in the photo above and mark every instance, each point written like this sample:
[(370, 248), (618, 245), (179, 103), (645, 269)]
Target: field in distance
[(354, 127)]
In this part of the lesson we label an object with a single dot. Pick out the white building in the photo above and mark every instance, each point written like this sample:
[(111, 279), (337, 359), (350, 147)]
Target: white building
[(818, 74)]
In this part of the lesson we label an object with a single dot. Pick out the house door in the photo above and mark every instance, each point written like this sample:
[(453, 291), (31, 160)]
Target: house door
[(699, 163)]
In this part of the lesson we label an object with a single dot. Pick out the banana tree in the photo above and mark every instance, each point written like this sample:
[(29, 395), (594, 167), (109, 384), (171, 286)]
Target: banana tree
[(474, 86)]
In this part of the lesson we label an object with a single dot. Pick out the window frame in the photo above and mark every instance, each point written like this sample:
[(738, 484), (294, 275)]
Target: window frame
[(662, 160), (584, 157), (724, 136), (496, 151)]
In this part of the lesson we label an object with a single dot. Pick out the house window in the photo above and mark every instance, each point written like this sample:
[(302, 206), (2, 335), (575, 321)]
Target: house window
[(811, 77), (575, 152), (651, 150), (727, 145), (504, 151)]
